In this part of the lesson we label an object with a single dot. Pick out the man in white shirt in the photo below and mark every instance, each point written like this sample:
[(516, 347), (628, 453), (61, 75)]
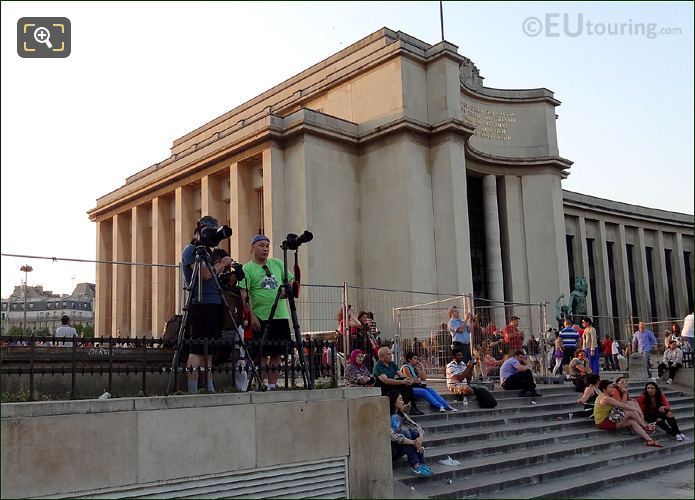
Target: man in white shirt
[(65, 330), (687, 331), (459, 375)]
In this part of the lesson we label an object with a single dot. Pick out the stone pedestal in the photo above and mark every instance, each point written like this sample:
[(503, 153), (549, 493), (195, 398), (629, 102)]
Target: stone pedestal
[(638, 366)]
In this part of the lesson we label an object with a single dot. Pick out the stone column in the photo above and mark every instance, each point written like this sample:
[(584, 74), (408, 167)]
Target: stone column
[(584, 262), (513, 240), (240, 197), (274, 198), (622, 277), (493, 249), (141, 276), (660, 278), (184, 225), (450, 210), (120, 291), (163, 281), (211, 201), (680, 285), (603, 282), (639, 260), (102, 302)]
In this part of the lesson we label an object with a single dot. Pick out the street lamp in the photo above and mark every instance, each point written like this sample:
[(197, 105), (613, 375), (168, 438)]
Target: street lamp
[(27, 270)]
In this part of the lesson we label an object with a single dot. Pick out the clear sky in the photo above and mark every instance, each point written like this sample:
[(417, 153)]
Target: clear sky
[(142, 74)]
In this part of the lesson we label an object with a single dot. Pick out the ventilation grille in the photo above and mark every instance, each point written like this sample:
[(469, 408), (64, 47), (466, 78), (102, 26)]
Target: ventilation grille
[(326, 479)]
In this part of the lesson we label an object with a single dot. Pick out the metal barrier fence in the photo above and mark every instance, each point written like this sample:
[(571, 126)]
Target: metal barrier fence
[(423, 329), (147, 358)]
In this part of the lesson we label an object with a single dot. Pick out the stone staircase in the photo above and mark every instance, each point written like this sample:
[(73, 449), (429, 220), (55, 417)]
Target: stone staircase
[(536, 448)]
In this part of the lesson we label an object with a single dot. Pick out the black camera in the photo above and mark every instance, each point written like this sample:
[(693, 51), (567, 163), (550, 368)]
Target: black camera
[(211, 236), (236, 270), (293, 241)]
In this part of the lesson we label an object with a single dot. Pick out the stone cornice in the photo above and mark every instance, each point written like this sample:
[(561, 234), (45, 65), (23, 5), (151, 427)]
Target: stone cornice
[(588, 203), (245, 142), (507, 96), (493, 161)]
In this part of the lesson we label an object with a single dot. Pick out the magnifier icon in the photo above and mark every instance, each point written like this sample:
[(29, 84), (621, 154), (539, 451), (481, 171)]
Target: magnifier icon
[(42, 35)]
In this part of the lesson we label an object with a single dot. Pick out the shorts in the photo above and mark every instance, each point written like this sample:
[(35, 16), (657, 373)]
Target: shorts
[(606, 425), (568, 354), (205, 322), (279, 332)]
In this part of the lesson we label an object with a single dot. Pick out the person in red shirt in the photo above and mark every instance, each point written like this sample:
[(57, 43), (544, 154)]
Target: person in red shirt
[(513, 337), (608, 354)]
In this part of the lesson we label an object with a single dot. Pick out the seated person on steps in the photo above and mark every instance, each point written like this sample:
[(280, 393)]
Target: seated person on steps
[(413, 370), (515, 375), (459, 375), (387, 377)]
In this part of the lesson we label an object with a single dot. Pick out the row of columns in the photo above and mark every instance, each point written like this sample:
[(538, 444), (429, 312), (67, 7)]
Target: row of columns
[(641, 277), (137, 300)]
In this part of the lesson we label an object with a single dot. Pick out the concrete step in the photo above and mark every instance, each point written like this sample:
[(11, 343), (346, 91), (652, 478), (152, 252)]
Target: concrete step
[(518, 448), (481, 441), (547, 390), (508, 485), (594, 480), (514, 400), (438, 422), (473, 464)]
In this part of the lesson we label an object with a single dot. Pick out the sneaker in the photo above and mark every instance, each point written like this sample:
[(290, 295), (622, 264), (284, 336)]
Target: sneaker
[(684, 437), (415, 411), (536, 394), (654, 379), (422, 471), (679, 437), (442, 409), (451, 408), (669, 381)]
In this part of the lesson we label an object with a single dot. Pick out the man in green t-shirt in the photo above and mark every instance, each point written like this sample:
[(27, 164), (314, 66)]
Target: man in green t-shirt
[(263, 277)]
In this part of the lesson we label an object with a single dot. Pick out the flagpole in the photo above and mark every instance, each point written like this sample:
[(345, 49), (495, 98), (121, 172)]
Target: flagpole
[(441, 18)]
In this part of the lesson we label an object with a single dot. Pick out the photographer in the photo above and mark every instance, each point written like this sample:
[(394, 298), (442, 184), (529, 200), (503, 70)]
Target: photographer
[(205, 316), (460, 333), (258, 290), (365, 340)]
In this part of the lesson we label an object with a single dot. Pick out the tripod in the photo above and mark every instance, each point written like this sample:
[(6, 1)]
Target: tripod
[(202, 257), (308, 383)]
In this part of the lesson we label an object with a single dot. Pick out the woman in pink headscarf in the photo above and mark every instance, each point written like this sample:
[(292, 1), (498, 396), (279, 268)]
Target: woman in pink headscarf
[(356, 373)]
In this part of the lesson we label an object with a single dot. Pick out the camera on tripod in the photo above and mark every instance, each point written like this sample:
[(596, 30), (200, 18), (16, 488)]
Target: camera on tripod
[(294, 241), (210, 233)]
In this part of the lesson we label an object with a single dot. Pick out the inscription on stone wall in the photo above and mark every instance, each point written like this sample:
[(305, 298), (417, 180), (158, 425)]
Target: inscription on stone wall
[(489, 124)]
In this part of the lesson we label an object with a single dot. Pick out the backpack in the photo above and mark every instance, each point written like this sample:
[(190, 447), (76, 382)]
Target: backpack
[(484, 398), (171, 330)]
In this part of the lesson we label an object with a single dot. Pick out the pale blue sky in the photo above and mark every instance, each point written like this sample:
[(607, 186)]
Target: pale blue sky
[(142, 74)]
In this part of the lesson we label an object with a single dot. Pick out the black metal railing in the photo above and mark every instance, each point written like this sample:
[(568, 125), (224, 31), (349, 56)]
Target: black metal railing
[(34, 356)]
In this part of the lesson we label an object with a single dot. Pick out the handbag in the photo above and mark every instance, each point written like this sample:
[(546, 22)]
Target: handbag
[(616, 415)]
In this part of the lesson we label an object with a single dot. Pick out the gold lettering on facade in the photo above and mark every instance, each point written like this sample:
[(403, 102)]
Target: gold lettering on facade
[(489, 124)]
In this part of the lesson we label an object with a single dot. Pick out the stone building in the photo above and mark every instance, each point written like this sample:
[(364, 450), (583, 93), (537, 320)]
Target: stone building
[(411, 174), (45, 308)]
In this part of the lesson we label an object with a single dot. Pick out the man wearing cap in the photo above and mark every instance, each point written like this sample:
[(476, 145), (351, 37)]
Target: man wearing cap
[(204, 316), (260, 286)]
